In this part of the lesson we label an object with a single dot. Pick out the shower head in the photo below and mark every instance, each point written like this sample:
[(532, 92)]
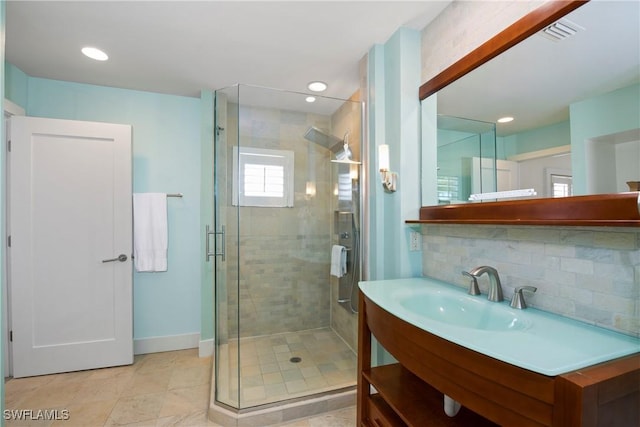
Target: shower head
[(344, 156), (319, 137), (331, 142)]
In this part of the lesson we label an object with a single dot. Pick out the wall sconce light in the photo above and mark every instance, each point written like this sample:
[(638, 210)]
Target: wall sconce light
[(310, 189), (389, 179)]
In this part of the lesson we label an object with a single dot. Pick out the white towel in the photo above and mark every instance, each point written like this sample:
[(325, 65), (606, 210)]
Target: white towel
[(338, 260), (150, 231)]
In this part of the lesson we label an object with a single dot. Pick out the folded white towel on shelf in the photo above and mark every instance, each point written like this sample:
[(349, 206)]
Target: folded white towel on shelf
[(150, 236), (338, 260)]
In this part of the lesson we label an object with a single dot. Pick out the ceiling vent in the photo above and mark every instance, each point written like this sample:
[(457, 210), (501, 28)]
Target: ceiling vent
[(561, 30)]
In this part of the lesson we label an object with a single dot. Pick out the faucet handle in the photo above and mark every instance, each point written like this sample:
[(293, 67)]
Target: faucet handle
[(518, 298), (473, 285)]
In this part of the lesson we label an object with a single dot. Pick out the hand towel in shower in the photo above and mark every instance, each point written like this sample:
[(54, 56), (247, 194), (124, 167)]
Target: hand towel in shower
[(150, 234), (338, 260)]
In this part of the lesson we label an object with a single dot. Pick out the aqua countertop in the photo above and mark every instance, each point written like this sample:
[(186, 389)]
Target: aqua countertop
[(540, 341)]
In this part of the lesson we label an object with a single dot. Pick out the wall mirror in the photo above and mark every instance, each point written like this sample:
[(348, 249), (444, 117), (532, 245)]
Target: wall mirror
[(574, 94)]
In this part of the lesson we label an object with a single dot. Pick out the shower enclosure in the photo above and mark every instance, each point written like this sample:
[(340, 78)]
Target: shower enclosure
[(286, 190)]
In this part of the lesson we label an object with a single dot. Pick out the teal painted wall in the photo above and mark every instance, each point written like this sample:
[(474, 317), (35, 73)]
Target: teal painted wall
[(16, 83), (613, 112), (166, 158), (206, 213), (394, 119), (455, 153), (402, 133), (446, 137), (429, 146), (376, 122), (541, 138)]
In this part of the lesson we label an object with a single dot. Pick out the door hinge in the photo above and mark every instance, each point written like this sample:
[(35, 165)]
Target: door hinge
[(9, 145), (11, 336), (9, 241)]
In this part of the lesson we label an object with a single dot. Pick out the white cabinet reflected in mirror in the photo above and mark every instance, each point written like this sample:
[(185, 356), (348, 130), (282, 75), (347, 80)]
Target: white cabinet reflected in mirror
[(576, 108)]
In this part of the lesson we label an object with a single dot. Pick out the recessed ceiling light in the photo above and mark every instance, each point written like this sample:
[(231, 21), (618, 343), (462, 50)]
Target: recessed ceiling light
[(310, 99), (95, 53), (505, 119), (317, 86)]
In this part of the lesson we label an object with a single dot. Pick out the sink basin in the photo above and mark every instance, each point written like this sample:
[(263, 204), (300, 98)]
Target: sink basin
[(463, 311), (532, 339)]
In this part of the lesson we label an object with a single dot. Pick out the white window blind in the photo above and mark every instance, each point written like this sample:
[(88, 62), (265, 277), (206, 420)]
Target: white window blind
[(561, 185), (448, 188), (263, 177)]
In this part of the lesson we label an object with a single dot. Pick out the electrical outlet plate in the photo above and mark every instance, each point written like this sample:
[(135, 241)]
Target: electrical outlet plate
[(415, 242)]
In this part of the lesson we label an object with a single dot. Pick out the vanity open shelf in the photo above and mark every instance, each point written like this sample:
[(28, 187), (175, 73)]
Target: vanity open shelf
[(410, 393), (404, 399)]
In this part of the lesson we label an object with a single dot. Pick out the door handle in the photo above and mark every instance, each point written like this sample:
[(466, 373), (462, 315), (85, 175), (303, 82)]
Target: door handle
[(208, 253), (121, 258)]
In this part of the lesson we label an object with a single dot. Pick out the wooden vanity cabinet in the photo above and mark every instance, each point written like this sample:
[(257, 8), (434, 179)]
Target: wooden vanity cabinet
[(410, 393)]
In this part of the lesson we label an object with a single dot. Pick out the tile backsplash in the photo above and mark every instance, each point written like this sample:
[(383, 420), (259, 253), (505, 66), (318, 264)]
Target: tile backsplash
[(589, 274)]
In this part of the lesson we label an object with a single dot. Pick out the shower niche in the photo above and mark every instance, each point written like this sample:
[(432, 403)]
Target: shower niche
[(286, 189)]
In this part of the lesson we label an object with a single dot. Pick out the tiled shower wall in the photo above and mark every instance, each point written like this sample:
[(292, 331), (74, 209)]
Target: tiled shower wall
[(283, 253), (283, 284), (343, 320), (592, 275)]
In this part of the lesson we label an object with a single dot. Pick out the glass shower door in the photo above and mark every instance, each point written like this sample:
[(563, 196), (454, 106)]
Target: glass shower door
[(274, 210), (227, 351)]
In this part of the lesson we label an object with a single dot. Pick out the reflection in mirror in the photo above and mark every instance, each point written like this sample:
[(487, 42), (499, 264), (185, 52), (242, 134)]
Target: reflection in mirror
[(575, 102), (466, 153)]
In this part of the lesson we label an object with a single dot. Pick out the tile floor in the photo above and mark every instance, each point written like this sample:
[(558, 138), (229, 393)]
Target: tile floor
[(267, 373), (159, 389)]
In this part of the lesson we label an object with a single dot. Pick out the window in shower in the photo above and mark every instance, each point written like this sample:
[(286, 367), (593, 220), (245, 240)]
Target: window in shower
[(265, 177)]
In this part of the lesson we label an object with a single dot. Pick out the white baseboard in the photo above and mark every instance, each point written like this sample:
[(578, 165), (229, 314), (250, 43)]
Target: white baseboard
[(167, 343), (205, 349)]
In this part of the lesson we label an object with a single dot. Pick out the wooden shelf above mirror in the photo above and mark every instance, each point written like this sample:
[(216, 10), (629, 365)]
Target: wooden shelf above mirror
[(530, 24), (602, 210)]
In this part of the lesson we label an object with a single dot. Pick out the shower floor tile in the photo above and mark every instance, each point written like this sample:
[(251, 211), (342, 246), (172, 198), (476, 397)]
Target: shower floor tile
[(292, 364)]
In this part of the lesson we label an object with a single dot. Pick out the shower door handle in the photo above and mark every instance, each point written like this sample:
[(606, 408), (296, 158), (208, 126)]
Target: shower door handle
[(208, 253), (209, 233)]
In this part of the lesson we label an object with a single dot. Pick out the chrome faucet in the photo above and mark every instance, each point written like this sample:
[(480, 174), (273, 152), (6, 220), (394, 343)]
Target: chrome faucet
[(473, 285), (495, 288), (518, 299)]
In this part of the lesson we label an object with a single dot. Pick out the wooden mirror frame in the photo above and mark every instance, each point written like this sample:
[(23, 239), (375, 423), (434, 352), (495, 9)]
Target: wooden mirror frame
[(618, 210)]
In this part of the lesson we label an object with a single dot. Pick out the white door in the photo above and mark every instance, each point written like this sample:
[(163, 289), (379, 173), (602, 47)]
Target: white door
[(482, 175), (507, 174), (10, 109), (71, 218)]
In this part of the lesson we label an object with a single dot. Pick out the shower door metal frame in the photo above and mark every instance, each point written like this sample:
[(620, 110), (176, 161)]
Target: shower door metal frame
[(221, 175)]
